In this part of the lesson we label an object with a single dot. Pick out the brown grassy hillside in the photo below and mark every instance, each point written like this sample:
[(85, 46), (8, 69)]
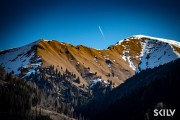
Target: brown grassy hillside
[(89, 64), (83, 61)]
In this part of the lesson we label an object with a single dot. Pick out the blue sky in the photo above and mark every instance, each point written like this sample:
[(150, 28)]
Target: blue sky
[(76, 22)]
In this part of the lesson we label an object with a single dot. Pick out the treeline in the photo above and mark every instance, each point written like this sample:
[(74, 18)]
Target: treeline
[(17, 98), (46, 88), (58, 90), (139, 96)]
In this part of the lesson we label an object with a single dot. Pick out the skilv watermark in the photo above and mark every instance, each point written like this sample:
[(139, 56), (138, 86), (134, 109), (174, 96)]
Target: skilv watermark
[(164, 112)]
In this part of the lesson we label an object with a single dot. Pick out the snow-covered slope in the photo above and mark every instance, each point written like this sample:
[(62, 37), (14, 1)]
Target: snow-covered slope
[(159, 39), (154, 51), (131, 55), (22, 57)]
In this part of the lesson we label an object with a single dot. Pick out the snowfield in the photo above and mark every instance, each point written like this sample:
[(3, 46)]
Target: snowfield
[(155, 52), (15, 58), (159, 39)]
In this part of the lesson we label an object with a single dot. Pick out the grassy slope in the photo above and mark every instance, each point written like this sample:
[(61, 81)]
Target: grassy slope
[(68, 56)]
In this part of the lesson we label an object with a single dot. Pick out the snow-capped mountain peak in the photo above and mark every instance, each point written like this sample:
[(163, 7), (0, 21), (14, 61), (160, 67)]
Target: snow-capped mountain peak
[(160, 39), (131, 55), (142, 52), (15, 58)]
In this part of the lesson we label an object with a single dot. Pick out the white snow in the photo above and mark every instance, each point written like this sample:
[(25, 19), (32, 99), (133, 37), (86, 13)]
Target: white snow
[(15, 58), (109, 65), (106, 57), (105, 81), (131, 63), (158, 51), (119, 43), (160, 39), (31, 71), (47, 40), (123, 57), (95, 82), (155, 53), (127, 57)]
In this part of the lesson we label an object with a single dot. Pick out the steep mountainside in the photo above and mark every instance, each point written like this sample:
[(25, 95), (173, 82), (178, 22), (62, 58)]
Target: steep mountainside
[(21, 100), (117, 63), (142, 52), (13, 59), (137, 98), (69, 76), (87, 63)]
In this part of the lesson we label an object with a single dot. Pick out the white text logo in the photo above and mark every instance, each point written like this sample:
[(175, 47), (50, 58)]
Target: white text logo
[(164, 112)]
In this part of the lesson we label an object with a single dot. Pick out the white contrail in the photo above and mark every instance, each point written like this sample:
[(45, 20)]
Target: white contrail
[(101, 32)]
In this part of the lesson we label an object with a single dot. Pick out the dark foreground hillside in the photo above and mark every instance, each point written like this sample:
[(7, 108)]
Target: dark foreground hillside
[(17, 98), (137, 98), (20, 101)]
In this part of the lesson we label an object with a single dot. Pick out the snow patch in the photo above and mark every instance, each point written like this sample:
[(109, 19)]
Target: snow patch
[(155, 53), (47, 40), (160, 39), (15, 58), (95, 82), (123, 57), (131, 63)]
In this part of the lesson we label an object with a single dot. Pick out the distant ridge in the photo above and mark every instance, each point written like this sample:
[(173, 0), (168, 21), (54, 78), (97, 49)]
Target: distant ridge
[(117, 63)]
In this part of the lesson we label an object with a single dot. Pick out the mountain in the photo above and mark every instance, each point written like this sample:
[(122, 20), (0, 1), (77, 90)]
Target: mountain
[(137, 98), (66, 76), (21, 101), (117, 63), (143, 52), (13, 59)]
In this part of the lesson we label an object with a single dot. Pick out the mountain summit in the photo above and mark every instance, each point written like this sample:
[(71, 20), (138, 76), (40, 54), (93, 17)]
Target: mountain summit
[(117, 63), (143, 52)]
